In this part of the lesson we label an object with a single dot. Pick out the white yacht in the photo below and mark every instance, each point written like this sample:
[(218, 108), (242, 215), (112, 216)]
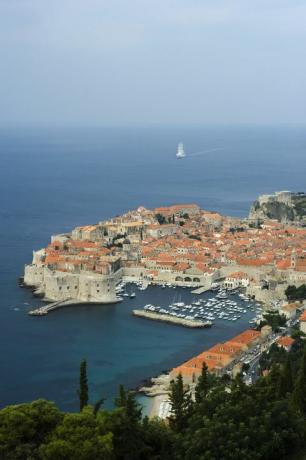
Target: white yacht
[(180, 151)]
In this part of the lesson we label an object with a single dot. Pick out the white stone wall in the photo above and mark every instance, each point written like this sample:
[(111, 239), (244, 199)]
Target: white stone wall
[(60, 286), (33, 275), (62, 237), (85, 287), (267, 295)]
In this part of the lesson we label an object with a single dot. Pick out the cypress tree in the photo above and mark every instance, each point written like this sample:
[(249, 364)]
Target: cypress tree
[(83, 390), (127, 400), (286, 381), (120, 401), (274, 379), (202, 386), (299, 393), (98, 406), (133, 409), (180, 404)]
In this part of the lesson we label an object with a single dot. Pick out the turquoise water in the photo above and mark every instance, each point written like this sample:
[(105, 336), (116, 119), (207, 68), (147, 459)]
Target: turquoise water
[(54, 179)]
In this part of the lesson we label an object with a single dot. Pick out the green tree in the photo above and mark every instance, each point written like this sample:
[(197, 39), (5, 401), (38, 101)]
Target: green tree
[(24, 427), (159, 440), (296, 293), (83, 389), (80, 436), (125, 424), (203, 385), (286, 381), (160, 219), (120, 401), (180, 400), (299, 393)]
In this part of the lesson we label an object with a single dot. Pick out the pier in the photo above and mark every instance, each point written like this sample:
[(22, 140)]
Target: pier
[(171, 319), (200, 290), (44, 310)]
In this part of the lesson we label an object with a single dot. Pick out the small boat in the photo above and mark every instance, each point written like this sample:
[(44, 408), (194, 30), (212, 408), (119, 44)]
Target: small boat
[(180, 151)]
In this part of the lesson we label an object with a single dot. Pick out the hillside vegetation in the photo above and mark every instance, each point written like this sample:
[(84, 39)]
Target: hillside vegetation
[(228, 420)]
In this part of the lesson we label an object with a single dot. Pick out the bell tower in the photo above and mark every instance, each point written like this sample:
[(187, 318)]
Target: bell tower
[(293, 259)]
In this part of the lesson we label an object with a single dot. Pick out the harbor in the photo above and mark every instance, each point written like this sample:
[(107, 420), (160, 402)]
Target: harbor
[(214, 305)]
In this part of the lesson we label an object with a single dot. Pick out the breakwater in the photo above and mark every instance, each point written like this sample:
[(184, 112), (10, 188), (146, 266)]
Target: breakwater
[(44, 310), (171, 319)]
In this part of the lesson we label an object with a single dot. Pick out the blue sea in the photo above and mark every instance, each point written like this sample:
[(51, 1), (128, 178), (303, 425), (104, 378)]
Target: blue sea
[(53, 179)]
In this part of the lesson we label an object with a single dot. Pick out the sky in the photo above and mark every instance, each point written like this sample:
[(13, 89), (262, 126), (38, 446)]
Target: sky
[(152, 61)]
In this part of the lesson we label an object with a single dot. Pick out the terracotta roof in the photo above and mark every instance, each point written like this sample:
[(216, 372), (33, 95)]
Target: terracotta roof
[(285, 342), (303, 316)]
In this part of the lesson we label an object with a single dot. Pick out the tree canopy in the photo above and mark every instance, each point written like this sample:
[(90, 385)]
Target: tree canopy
[(212, 419)]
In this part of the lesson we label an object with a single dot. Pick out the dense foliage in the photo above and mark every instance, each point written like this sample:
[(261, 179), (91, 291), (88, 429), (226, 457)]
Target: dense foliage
[(273, 319), (296, 293), (218, 420)]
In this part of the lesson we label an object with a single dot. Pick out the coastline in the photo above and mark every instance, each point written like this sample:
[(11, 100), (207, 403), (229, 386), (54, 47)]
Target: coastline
[(156, 404)]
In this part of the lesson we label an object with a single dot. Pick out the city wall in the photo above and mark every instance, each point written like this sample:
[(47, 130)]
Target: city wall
[(85, 287)]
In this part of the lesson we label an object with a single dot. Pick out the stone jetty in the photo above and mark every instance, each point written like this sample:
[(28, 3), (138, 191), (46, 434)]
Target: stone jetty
[(171, 319), (44, 310)]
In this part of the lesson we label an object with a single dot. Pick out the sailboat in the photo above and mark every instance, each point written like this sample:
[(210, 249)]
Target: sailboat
[(180, 151)]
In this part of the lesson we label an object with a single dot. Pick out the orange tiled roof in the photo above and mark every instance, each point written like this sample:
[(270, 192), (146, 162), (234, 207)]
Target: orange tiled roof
[(303, 316), (285, 341)]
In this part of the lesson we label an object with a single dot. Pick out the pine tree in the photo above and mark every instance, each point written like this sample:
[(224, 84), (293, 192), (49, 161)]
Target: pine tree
[(83, 390), (202, 386), (180, 404)]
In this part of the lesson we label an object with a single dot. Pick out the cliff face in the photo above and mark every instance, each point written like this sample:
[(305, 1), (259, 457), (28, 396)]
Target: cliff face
[(282, 206)]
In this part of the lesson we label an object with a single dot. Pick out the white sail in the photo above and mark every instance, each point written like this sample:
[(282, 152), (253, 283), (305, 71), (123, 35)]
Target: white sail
[(180, 151)]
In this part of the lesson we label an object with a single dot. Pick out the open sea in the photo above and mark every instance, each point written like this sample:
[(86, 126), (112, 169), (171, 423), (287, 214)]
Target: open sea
[(52, 180)]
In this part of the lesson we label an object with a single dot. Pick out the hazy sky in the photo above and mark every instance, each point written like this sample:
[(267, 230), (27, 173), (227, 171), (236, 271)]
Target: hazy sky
[(164, 61)]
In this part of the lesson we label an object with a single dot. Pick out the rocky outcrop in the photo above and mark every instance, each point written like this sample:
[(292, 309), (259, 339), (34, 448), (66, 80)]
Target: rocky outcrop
[(282, 206)]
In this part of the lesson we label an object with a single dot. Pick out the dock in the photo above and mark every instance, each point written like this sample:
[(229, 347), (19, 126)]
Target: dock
[(171, 319), (44, 310), (200, 290)]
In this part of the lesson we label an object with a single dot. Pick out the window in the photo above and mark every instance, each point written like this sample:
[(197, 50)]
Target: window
[(98, 290)]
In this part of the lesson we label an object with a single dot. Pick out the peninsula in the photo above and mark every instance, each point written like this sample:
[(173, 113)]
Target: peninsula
[(179, 244)]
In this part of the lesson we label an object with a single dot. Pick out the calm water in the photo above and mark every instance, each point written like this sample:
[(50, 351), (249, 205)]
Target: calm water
[(54, 179)]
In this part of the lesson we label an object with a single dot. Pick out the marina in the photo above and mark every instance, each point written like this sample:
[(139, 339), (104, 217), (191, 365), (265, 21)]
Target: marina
[(165, 344), (222, 305)]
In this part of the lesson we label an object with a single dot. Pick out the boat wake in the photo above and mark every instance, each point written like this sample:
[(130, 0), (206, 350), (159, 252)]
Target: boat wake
[(195, 154)]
